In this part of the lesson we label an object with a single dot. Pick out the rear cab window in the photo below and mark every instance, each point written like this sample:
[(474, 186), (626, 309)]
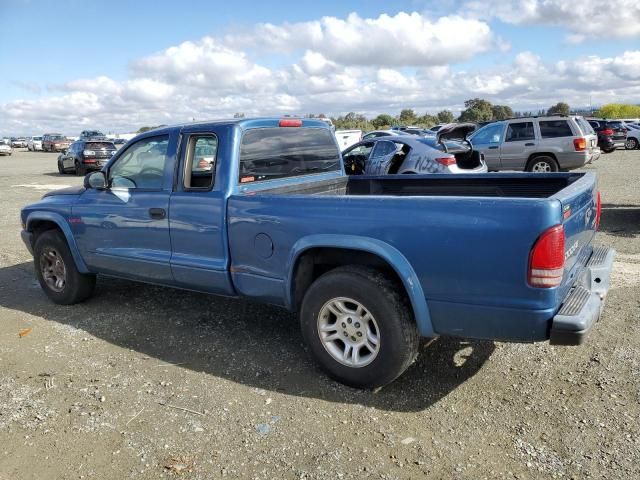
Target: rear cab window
[(200, 162), (279, 152), (555, 129)]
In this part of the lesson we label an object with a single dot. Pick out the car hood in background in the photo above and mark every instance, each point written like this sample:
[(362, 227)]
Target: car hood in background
[(455, 131)]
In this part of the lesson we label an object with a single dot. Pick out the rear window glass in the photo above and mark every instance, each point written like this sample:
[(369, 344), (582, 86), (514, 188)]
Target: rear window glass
[(555, 129), (269, 153), (107, 145), (585, 126)]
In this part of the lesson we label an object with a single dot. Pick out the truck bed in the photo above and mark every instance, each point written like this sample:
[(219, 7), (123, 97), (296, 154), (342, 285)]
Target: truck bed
[(508, 185)]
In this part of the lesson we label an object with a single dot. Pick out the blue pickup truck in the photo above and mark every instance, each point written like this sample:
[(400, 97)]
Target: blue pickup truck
[(263, 209)]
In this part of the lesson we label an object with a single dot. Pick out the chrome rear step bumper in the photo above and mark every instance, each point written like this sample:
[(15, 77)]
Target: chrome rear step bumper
[(583, 304)]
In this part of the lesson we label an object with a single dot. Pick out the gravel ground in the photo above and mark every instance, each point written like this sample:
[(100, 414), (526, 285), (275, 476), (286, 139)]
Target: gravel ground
[(147, 382)]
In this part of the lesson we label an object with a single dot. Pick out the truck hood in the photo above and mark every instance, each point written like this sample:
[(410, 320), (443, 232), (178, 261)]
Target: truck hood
[(455, 131), (65, 191)]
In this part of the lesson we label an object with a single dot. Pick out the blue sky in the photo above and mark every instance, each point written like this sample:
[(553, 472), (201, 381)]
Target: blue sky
[(51, 52)]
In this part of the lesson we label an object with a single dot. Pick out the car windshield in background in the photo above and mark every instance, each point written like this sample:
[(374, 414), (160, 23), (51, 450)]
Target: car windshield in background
[(269, 153), (37, 138), (100, 145), (57, 137)]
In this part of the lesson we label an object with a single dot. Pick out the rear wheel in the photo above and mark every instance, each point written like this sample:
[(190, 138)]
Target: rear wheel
[(608, 150), (542, 164), (358, 326), (631, 143), (56, 271)]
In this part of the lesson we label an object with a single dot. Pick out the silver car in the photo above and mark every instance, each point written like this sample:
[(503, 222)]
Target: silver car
[(446, 152), (537, 144)]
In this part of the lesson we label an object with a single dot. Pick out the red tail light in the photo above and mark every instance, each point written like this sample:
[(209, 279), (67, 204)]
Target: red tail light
[(446, 161), (598, 210), (607, 131), (580, 144), (203, 164), (290, 122), (546, 261)]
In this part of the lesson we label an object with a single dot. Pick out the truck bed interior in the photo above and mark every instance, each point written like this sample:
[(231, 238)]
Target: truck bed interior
[(521, 185)]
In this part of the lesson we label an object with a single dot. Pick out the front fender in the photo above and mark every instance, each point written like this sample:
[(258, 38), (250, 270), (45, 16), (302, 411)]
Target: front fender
[(60, 221), (377, 247)]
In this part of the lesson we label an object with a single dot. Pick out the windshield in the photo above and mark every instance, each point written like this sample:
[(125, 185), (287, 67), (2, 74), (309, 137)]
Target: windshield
[(57, 137), (37, 138), (100, 145)]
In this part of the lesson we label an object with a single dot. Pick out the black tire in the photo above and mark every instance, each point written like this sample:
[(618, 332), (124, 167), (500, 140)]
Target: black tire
[(397, 334), (60, 168), (542, 164), (78, 170), (631, 143), (608, 150), (77, 286)]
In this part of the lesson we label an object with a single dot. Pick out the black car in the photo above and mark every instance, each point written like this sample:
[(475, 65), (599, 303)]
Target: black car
[(85, 155), (611, 134)]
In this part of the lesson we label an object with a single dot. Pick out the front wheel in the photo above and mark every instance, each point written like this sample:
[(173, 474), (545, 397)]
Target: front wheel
[(60, 168), (542, 164), (358, 327), (56, 271), (78, 170), (631, 144), (608, 150)]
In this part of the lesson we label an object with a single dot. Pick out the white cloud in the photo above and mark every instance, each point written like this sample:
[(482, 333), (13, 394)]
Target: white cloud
[(584, 20), (216, 77), (399, 40)]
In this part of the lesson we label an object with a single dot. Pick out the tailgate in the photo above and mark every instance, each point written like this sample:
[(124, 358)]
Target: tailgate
[(579, 220)]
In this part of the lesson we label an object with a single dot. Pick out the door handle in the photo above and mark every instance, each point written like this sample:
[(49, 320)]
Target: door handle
[(157, 213), (494, 147), (530, 144)]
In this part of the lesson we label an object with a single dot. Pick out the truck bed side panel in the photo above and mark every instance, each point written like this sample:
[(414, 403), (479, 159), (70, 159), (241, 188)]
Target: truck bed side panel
[(470, 253)]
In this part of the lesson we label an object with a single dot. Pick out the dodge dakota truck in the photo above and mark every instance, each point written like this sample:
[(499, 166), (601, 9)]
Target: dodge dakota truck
[(262, 209)]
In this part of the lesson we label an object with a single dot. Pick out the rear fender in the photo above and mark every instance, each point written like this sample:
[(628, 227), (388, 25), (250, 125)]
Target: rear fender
[(389, 254), (62, 224)]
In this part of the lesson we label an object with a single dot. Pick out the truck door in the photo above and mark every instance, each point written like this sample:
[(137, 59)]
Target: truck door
[(197, 220), (519, 143), (124, 229)]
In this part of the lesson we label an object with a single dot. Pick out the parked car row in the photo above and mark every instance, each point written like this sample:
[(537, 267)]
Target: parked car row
[(533, 144)]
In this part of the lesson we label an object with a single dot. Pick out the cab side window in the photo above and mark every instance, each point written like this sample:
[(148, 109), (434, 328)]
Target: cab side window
[(141, 165), (200, 162), (518, 132)]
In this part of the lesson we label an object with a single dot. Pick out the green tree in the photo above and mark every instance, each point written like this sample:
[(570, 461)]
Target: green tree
[(500, 112), (427, 121), (445, 116), (619, 110), (560, 108), (382, 120), (407, 117), (476, 110)]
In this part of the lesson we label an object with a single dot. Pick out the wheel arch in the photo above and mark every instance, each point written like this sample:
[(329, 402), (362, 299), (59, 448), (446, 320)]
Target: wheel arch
[(358, 250), (38, 222)]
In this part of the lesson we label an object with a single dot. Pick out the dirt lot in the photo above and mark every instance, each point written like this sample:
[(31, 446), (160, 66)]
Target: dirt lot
[(146, 382)]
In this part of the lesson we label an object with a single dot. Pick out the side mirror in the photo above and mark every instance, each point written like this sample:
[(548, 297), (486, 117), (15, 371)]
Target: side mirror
[(95, 180)]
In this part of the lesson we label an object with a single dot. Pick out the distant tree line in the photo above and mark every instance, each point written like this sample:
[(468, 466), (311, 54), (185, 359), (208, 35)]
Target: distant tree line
[(475, 110)]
